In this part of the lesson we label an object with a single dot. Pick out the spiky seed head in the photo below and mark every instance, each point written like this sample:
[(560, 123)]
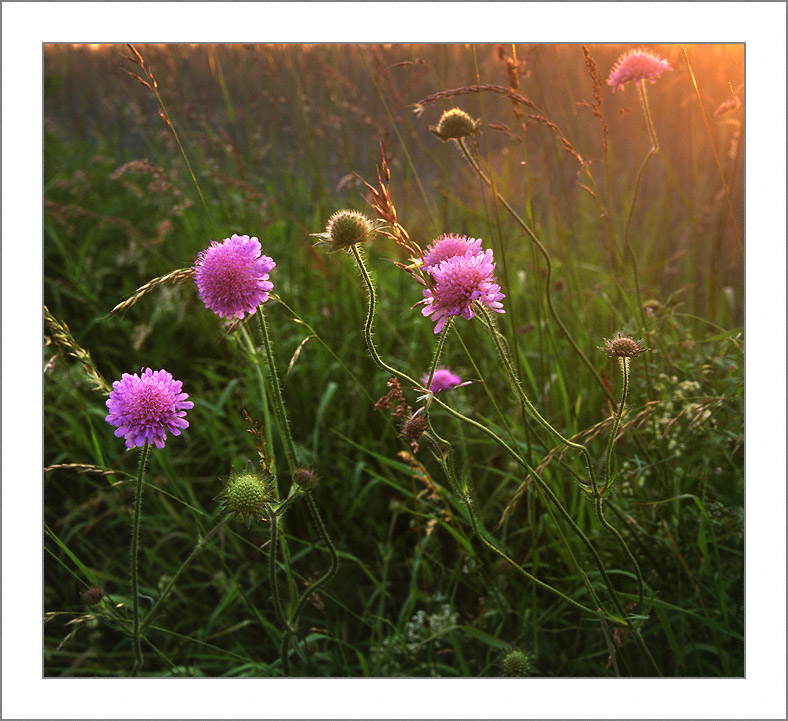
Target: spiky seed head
[(622, 347), (455, 124), (305, 477), (414, 426), (347, 228), (247, 496), (516, 664)]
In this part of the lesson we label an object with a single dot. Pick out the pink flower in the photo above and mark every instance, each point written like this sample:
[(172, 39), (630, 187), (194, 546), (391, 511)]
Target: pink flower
[(637, 65), (458, 281), (449, 245), (144, 408), (232, 276), (442, 380)]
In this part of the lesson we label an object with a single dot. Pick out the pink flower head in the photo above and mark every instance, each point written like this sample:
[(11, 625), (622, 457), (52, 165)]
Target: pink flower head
[(442, 380), (449, 245), (232, 276), (458, 281), (144, 407), (637, 65)]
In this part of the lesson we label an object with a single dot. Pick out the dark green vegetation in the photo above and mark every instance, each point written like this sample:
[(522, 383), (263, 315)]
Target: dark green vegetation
[(274, 136)]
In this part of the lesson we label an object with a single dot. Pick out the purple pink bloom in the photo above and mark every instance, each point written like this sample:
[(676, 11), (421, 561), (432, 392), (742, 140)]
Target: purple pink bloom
[(144, 407), (442, 380), (232, 276), (637, 65), (450, 245), (457, 282)]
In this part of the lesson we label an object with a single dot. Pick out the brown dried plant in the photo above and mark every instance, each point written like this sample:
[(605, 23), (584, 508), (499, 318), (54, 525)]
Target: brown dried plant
[(384, 208)]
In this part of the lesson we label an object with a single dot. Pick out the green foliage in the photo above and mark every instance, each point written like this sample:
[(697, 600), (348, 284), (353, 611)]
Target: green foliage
[(274, 136)]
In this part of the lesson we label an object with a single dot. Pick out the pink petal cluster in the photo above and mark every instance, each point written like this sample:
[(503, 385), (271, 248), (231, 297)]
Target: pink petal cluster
[(449, 245), (457, 282), (144, 407), (232, 276), (637, 65), (442, 380)]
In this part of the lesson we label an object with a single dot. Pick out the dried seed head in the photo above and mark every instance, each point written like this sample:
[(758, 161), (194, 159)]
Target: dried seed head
[(305, 478), (414, 426), (516, 664), (347, 228), (455, 124), (621, 347)]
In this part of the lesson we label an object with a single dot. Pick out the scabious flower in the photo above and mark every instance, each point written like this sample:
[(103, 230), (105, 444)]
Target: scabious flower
[(450, 245), (442, 380), (637, 65), (232, 276), (144, 407), (458, 281)]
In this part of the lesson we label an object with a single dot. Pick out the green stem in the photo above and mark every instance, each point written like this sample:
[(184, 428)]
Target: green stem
[(287, 629), (275, 393), (171, 584), (135, 537), (291, 624), (624, 362), (545, 256), (515, 381)]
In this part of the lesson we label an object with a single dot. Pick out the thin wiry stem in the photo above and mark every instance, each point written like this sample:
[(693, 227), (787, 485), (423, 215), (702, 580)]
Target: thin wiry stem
[(545, 255), (135, 537)]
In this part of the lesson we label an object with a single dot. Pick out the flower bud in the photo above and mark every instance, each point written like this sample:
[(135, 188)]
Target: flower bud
[(305, 478)]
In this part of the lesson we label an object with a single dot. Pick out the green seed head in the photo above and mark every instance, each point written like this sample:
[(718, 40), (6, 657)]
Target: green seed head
[(516, 664), (347, 228), (247, 496), (455, 124)]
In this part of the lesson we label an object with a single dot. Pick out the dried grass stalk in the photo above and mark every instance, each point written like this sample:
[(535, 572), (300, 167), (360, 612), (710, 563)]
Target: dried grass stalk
[(177, 276)]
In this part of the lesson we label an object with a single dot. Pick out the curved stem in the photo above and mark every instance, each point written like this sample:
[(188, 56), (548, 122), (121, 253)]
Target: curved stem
[(515, 381), (135, 534), (168, 588), (291, 624), (545, 255)]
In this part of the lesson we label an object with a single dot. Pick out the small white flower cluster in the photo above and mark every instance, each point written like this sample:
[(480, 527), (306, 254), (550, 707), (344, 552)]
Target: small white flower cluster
[(406, 656)]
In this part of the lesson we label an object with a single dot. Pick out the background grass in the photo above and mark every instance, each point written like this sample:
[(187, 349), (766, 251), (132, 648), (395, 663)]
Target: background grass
[(275, 135)]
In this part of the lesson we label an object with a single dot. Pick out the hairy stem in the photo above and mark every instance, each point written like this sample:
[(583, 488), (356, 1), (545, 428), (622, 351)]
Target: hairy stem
[(135, 537)]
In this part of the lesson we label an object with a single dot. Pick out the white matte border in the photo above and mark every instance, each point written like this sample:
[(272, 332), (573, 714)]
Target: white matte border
[(26, 26)]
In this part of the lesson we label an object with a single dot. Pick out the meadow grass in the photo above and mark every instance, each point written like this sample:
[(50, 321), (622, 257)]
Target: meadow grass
[(435, 548)]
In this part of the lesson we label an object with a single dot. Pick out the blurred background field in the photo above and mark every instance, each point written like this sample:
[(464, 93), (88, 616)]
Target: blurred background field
[(276, 137)]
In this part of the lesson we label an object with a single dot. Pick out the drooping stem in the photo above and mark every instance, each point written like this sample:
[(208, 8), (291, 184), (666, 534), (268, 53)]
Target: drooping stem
[(171, 584), (135, 535)]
